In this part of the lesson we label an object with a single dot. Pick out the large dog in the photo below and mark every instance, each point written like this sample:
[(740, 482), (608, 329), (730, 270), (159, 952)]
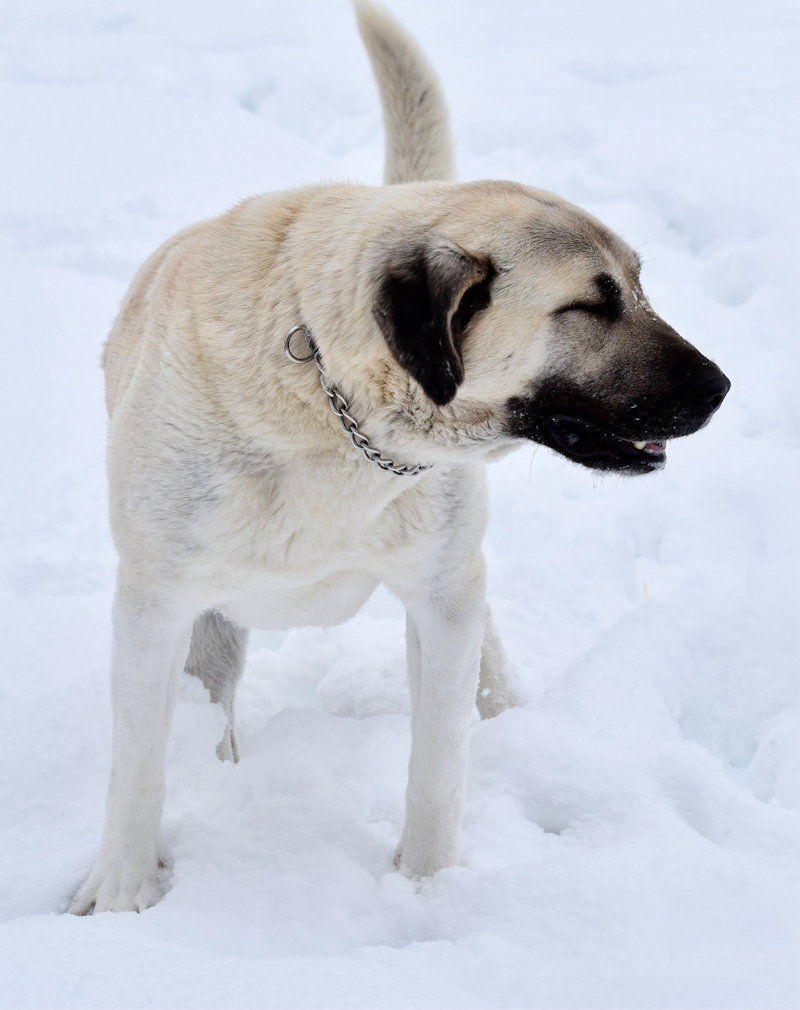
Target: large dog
[(448, 323)]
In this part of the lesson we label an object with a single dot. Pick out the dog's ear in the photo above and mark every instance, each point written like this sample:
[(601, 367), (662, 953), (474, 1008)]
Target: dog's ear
[(427, 297)]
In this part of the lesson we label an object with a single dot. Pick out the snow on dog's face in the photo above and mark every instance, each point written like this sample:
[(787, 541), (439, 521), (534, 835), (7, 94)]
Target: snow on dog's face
[(527, 306)]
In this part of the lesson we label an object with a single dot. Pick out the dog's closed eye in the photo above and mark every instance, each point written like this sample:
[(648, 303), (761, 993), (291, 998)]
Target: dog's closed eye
[(608, 304)]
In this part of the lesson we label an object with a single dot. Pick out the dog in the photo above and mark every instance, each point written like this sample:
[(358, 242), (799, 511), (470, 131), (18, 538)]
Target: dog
[(304, 394)]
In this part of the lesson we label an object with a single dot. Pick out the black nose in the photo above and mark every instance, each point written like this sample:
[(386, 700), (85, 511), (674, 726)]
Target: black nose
[(710, 384)]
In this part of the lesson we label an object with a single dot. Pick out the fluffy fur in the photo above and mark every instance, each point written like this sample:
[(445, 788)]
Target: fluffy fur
[(458, 320)]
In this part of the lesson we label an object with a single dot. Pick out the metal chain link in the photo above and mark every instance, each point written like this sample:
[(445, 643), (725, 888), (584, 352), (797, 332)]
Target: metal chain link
[(341, 408)]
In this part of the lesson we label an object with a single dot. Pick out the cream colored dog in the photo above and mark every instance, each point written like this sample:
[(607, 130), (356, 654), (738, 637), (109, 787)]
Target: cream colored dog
[(452, 322)]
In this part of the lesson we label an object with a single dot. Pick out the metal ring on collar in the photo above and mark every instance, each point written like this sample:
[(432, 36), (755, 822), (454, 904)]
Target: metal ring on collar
[(341, 408), (287, 344)]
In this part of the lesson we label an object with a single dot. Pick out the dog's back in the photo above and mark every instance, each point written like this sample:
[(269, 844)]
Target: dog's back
[(419, 147)]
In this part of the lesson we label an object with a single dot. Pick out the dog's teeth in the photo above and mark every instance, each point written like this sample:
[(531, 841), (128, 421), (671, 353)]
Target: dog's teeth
[(639, 445)]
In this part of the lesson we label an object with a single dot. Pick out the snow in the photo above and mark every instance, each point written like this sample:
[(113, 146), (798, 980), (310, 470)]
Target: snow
[(631, 832)]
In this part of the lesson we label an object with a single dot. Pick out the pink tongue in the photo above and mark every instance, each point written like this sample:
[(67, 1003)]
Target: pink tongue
[(655, 446)]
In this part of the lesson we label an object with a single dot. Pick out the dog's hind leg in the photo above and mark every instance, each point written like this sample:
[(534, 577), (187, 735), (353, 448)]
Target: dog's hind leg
[(217, 657), (495, 690)]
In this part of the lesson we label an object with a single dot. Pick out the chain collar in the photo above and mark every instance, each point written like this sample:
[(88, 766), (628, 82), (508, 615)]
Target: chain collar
[(340, 407)]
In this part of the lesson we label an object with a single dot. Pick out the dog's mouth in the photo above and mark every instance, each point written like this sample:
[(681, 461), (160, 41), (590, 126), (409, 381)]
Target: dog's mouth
[(593, 446)]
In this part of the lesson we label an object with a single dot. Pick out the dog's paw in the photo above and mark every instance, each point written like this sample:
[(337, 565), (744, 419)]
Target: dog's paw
[(493, 701), (500, 693), (227, 748), (415, 874), (416, 864), (119, 888)]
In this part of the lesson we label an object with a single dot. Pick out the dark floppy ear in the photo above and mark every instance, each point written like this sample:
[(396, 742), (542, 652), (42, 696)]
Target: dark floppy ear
[(427, 297)]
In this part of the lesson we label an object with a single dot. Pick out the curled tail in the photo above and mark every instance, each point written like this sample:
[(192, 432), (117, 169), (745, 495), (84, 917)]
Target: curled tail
[(419, 144)]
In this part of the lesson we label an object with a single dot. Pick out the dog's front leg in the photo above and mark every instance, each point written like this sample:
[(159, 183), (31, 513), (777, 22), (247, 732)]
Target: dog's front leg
[(150, 645), (444, 628)]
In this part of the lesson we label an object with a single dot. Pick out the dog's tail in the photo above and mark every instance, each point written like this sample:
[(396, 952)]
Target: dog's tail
[(419, 144)]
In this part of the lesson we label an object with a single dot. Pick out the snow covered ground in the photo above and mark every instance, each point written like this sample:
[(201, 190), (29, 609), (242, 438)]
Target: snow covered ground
[(631, 833)]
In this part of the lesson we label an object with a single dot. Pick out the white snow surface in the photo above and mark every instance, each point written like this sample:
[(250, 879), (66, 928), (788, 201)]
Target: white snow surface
[(631, 832)]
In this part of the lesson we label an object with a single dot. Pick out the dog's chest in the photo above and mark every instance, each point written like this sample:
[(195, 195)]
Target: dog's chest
[(270, 602), (278, 560)]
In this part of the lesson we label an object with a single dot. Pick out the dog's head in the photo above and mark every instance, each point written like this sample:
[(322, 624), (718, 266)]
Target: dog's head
[(527, 306)]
